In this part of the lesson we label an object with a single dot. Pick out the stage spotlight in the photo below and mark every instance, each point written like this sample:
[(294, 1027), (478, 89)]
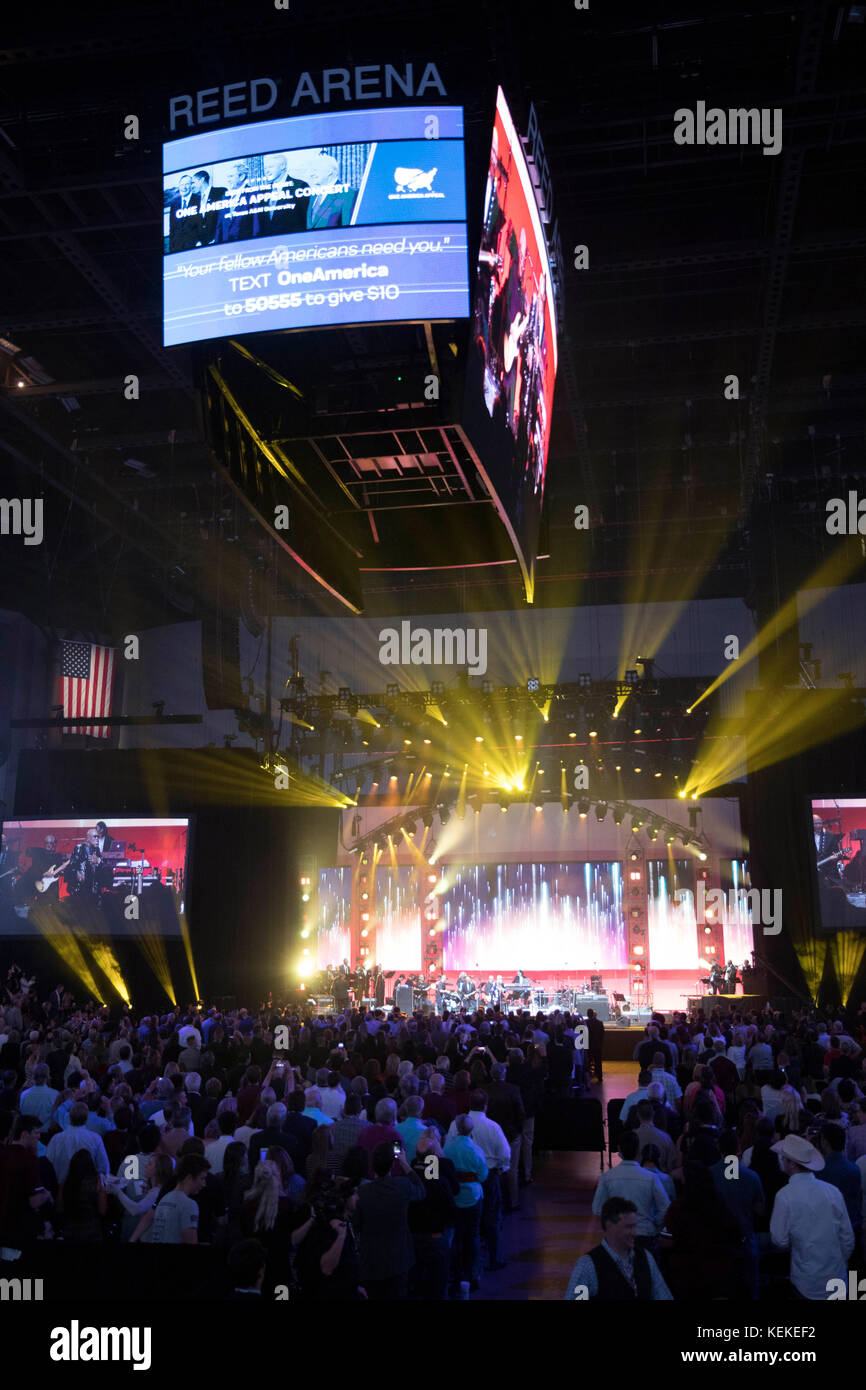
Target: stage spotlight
[(410, 826), (533, 684), (652, 833), (538, 806), (572, 734), (583, 808), (444, 815), (391, 691), (486, 687), (437, 687), (670, 837), (638, 822), (601, 811), (479, 738), (427, 819), (618, 815), (702, 857), (432, 878), (584, 679)]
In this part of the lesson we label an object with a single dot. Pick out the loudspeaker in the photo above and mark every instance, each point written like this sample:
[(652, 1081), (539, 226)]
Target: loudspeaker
[(404, 998)]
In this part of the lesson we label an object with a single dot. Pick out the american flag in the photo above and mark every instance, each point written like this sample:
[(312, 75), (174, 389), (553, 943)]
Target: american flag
[(87, 676)]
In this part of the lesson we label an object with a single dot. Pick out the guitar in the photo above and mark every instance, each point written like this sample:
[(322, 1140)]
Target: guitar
[(53, 874), (510, 347)]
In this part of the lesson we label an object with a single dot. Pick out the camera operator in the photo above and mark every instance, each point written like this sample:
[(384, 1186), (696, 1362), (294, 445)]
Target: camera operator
[(327, 1262)]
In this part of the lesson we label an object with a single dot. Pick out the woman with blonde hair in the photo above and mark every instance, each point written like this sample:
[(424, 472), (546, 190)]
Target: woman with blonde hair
[(265, 1217)]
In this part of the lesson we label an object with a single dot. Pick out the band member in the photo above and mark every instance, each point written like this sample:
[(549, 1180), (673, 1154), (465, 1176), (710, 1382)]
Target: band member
[(465, 987), (8, 867), (344, 969), (378, 989), (717, 978), (104, 841), (45, 861), (732, 978), (441, 992), (341, 987), (827, 846)]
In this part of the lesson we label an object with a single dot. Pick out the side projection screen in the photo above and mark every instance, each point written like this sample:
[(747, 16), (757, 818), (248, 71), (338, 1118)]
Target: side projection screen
[(312, 221), (512, 361)]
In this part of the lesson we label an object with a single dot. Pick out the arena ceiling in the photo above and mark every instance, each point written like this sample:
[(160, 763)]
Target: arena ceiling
[(703, 263)]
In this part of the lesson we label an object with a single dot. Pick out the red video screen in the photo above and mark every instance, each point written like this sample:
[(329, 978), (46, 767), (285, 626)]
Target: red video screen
[(512, 363), (115, 876)]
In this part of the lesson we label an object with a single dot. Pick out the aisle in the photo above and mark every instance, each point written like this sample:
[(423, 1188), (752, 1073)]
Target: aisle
[(555, 1224)]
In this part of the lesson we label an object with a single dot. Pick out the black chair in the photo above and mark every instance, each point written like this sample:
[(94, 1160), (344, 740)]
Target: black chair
[(614, 1127), (574, 1124)]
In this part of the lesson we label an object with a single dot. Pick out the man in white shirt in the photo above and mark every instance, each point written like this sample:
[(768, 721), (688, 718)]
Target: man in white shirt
[(491, 1140), (215, 1150), (810, 1219), (333, 1097), (636, 1184), (39, 1098), (188, 1031), (61, 1148)]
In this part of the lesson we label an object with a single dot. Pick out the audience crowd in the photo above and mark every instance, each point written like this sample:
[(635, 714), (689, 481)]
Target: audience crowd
[(366, 1155)]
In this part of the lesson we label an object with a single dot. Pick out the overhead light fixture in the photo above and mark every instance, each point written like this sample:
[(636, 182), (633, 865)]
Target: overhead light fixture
[(618, 815), (583, 808), (601, 811), (533, 684)]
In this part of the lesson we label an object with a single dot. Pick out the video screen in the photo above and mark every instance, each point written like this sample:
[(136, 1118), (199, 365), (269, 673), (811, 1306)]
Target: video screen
[(538, 917), (334, 937), (671, 917), (112, 877), (312, 221), (395, 925), (512, 363), (839, 870)]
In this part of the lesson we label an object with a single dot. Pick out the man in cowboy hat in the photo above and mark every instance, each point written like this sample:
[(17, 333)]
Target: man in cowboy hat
[(810, 1219)]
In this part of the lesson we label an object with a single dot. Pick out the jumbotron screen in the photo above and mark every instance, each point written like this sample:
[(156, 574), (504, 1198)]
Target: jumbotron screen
[(80, 876), (839, 863), (311, 221), (512, 363)]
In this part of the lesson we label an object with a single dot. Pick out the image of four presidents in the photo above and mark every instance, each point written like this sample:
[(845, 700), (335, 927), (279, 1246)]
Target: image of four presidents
[(263, 195)]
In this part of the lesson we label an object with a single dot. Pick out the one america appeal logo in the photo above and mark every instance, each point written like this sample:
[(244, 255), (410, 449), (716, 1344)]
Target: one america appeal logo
[(415, 183)]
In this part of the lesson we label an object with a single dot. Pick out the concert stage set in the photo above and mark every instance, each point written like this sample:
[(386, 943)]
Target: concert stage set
[(564, 897)]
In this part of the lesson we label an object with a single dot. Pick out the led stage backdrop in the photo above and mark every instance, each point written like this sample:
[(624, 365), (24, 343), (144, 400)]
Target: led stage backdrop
[(333, 942), (65, 875), (396, 918), (671, 914), (312, 221), (553, 917)]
